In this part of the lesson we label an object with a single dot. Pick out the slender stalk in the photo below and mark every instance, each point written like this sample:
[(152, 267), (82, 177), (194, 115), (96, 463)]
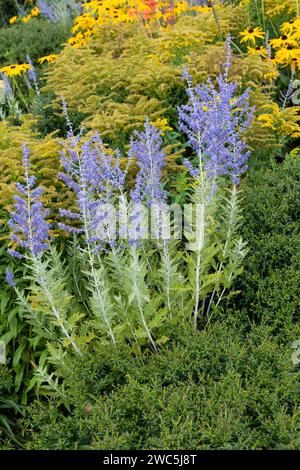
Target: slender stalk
[(166, 264), (38, 270), (91, 259), (136, 289), (227, 240), (200, 237)]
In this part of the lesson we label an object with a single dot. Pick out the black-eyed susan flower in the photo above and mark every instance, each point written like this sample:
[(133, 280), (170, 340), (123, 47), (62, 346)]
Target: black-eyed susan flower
[(48, 58), (283, 41), (35, 11), (258, 50), (286, 56), (15, 69), (26, 18), (290, 26), (250, 34), (13, 20)]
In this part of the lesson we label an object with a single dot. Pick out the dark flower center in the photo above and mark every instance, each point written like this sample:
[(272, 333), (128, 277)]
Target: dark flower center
[(284, 37), (250, 30)]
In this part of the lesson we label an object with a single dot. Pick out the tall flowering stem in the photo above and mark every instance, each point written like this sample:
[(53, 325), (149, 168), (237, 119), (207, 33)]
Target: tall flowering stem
[(95, 177), (30, 231), (146, 149), (28, 223), (214, 120)]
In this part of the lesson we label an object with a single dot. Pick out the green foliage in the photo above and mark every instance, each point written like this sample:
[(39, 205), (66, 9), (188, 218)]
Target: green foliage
[(37, 38), (222, 388), (7, 407), (8, 8), (271, 225)]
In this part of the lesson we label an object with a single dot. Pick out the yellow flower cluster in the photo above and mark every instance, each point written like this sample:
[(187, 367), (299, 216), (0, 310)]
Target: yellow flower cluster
[(285, 122), (285, 48), (32, 14), (107, 12), (48, 58), (15, 69), (162, 125)]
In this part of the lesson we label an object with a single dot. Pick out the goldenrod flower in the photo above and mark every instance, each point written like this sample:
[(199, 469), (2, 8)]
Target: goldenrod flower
[(48, 58), (162, 125), (13, 20), (272, 75), (15, 69), (267, 120), (251, 34)]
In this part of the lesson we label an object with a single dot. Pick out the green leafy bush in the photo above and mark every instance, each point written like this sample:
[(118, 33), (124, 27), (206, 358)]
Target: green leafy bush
[(37, 38), (7, 407), (271, 282), (8, 8), (217, 389)]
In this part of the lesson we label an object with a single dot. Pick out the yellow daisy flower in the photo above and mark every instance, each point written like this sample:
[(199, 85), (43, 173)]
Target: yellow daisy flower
[(289, 26), (48, 58), (35, 11), (27, 18), (287, 55), (251, 34), (13, 20), (15, 69), (259, 50), (284, 41)]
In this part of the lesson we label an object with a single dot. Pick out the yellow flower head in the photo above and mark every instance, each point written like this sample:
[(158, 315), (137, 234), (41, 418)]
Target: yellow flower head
[(283, 41), (251, 34), (287, 56), (15, 69), (48, 58), (27, 18), (162, 125), (258, 50), (13, 20), (290, 26), (35, 11)]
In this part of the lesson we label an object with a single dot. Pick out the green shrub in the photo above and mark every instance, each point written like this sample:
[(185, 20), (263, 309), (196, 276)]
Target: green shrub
[(271, 280), (217, 389), (7, 409), (8, 8), (37, 38)]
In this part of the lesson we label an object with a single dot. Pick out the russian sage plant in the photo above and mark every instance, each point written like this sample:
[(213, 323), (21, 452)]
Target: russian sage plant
[(214, 121), (48, 305), (124, 285)]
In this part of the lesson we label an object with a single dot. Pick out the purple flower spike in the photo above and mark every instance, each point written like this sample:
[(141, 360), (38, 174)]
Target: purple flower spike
[(214, 121), (10, 278), (146, 148), (29, 228)]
